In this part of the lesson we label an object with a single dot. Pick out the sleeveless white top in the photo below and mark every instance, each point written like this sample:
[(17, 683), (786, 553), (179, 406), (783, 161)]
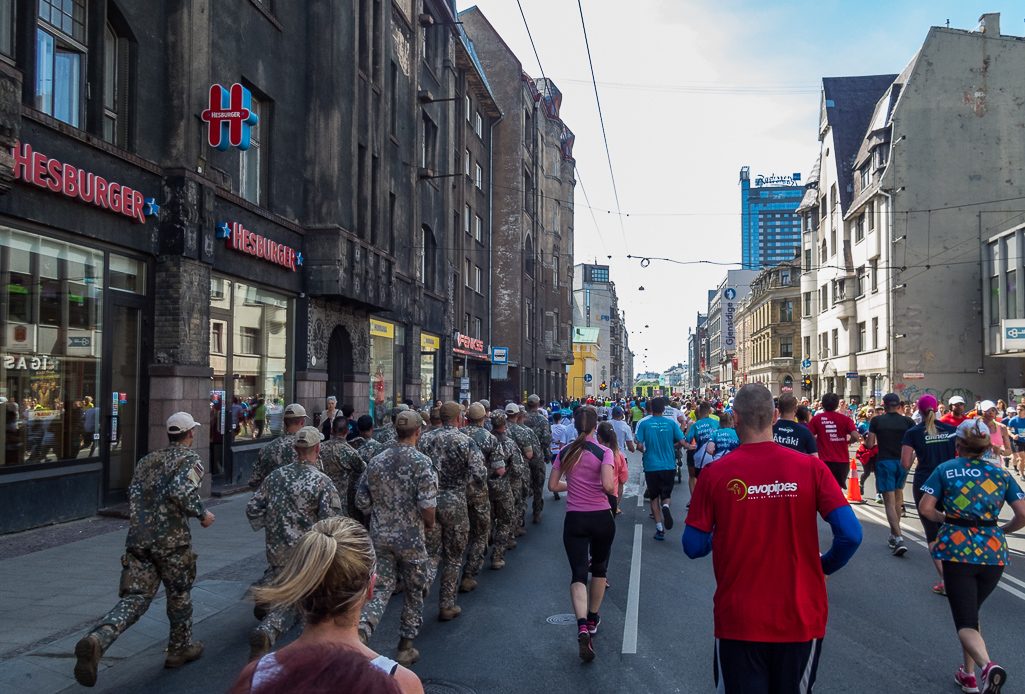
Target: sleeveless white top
[(268, 669)]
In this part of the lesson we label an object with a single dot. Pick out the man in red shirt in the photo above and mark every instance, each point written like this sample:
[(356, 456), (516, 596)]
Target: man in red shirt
[(833, 433), (956, 413), (761, 502)]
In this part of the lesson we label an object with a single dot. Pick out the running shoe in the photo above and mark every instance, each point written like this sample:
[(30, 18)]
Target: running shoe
[(584, 642), (891, 543), (993, 679), (667, 517), (940, 589), (879, 498), (966, 681), (592, 627), (899, 548), (659, 534)]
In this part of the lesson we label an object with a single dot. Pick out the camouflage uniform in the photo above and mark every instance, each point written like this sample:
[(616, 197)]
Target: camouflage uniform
[(286, 505), (487, 424), (457, 460), (523, 440), (343, 465), (501, 495), (397, 484), (277, 453), (538, 424), (163, 496), (477, 501), (386, 435), (369, 449)]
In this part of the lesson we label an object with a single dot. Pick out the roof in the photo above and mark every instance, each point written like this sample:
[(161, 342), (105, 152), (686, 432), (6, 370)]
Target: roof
[(848, 105), (811, 190), (481, 86), (584, 335)]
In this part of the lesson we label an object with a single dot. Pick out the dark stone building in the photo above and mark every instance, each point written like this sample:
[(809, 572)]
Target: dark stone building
[(146, 270)]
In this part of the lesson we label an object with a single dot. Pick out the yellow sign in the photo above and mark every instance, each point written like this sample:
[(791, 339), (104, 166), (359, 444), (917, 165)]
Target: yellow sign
[(429, 341), (382, 329)]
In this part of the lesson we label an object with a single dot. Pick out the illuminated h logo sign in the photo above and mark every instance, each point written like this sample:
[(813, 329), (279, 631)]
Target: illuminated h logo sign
[(230, 117)]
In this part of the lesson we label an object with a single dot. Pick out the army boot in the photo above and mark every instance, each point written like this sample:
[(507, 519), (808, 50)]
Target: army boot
[(88, 651), (407, 655), (259, 644), (497, 560), (179, 658), (519, 532), (467, 584), (447, 614), (537, 518), (510, 544)]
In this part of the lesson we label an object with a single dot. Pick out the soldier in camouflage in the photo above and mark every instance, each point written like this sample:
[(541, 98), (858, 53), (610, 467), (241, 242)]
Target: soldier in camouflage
[(478, 504), (399, 493), (518, 440), (280, 451), (163, 495), (365, 444), (286, 505), (500, 492), (387, 434), (538, 423), (486, 404), (343, 465), (458, 461)]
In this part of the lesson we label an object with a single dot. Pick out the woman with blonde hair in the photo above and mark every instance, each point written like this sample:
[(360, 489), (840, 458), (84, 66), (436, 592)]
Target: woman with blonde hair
[(971, 542), (330, 574)]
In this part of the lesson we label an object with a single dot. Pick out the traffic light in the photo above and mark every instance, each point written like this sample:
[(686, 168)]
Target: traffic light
[(806, 384), (602, 386)]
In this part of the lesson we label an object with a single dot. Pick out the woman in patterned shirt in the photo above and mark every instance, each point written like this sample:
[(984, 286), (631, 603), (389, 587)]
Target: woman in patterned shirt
[(970, 543)]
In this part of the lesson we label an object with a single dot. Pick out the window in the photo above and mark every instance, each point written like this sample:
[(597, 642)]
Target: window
[(866, 177), (478, 126), (7, 28), (478, 281), (469, 110), (115, 88), (862, 338), (807, 260), (466, 324), (874, 267), (597, 274), (528, 257), (859, 228), (527, 314), (823, 298), (478, 177), (556, 165), (823, 345), (994, 300), (836, 341), (476, 328), (555, 223), (870, 212), (786, 347), (393, 100), (467, 214), (1012, 294), (807, 346), (875, 333), (861, 281), (784, 278), (428, 143), (786, 311), (555, 271), (60, 57), (466, 164), (832, 197), (807, 304), (217, 345), (466, 273), (478, 230), (249, 180), (249, 340)]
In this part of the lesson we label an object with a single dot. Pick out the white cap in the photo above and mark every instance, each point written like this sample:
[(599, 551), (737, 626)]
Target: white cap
[(181, 422), (295, 410), (972, 424), (512, 408), (987, 405), (956, 400)]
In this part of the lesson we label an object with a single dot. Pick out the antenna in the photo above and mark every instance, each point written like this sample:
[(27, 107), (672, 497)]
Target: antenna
[(948, 23)]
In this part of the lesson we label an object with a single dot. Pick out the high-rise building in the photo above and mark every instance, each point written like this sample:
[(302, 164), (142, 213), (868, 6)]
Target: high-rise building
[(770, 225)]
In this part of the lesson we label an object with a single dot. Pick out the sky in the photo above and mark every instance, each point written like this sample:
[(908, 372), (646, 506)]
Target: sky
[(691, 91)]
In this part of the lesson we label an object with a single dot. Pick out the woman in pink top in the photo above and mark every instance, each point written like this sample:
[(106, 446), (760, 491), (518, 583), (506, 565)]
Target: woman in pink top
[(585, 471), (606, 435)]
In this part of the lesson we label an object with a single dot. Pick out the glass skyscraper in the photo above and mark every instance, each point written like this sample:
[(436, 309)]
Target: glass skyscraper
[(770, 226)]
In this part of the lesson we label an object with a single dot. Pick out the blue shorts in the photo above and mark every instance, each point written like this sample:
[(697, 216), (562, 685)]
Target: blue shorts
[(890, 475)]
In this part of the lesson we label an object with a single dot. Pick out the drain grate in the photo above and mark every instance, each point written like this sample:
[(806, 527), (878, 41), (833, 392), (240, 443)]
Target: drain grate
[(443, 687), (560, 619)]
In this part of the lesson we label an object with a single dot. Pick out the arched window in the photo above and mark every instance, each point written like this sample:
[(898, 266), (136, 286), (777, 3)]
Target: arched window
[(428, 256), (528, 257)]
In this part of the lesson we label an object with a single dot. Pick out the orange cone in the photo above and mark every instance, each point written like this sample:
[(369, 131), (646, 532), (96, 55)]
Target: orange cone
[(853, 485)]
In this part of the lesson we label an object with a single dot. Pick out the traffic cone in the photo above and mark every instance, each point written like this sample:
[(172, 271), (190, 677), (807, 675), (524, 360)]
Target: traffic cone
[(853, 484)]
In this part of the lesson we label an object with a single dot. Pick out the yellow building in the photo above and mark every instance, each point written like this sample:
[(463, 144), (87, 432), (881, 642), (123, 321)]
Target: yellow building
[(583, 380)]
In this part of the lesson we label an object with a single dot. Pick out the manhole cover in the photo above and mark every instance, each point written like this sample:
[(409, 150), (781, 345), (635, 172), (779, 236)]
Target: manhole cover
[(559, 619), (443, 687)]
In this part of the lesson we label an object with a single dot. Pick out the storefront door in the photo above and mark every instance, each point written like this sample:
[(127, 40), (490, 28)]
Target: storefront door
[(123, 407)]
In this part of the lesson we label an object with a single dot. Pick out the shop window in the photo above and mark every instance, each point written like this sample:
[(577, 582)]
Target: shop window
[(429, 345), (127, 274), (250, 166), (60, 59), (386, 363), (7, 28), (51, 312)]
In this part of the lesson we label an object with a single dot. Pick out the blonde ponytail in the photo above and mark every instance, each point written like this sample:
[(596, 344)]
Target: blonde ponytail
[(929, 420)]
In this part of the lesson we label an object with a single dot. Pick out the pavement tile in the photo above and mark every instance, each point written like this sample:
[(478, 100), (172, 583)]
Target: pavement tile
[(21, 675)]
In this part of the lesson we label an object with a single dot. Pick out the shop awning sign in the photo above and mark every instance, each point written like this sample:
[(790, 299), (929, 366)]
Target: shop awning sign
[(238, 238), (229, 117), (470, 346), (36, 169)]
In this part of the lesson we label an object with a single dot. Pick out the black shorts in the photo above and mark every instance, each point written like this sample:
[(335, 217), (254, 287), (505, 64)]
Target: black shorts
[(660, 483), (968, 586), (1018, 446), (690, 458), (840, 472), (755, 667), (587, 537), (931, 527)]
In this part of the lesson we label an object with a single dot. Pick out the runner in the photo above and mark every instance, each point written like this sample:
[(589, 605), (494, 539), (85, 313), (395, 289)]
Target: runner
[(1016, 430), (606, 436), (956, 415), (624, 434), (657, 439), (999, 438), (723, 441), (787, 432), (887, 431), (586, 472), (698, 436), (971, 544), (756, 508), (833, 432)]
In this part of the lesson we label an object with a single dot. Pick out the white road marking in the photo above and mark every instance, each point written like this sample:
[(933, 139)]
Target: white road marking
[(880, 518), (634, 596)]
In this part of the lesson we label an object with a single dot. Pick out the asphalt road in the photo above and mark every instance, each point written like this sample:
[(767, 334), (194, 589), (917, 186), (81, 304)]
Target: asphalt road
[(887, 630)]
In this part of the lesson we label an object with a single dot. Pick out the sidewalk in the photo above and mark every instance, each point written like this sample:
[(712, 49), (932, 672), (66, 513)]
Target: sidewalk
[(50, 597)]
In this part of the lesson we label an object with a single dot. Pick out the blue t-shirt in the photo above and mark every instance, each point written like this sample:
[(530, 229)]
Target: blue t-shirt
[(700, 433), (931, 451), (973, 490), (659, 436), (725, 440), (1016, 427)]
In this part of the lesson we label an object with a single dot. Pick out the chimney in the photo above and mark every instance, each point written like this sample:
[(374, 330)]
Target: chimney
[(990, 24)]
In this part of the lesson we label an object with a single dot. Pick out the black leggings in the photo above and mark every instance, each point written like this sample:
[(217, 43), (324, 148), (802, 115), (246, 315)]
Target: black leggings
[(588, 535), (968, 586)]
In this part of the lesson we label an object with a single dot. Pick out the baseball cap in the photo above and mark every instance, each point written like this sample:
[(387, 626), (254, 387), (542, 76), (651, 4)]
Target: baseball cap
[(476, 411), (498, 418), (485, 403), (180, 422), (956, 400), (891, 399), (512, 408), (986, 405), (399, 408), (533, 400), (971, 424), (408, 421), (926, 403), (617, 411), (295, 410), (451, 410), (308, 437)]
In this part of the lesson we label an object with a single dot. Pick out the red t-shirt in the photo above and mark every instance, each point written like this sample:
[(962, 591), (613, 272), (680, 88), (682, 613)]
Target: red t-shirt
[(759, 503), (950, 419), (831, 430)]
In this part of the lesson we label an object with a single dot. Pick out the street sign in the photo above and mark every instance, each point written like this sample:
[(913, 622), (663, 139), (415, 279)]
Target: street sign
[(1014, 333), (914, 376), (84, 341), (852, 374), (499, 355), (588, 378), (806, 364), (464, 383), (878, 393)]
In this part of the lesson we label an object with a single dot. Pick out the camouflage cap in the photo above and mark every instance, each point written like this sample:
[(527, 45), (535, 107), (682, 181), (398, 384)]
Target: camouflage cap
[(407, 422), (476, 412), (450, 411), (533, 399), (398, 408), (498, 419), (295, 411), (308, 437), (485, 403)]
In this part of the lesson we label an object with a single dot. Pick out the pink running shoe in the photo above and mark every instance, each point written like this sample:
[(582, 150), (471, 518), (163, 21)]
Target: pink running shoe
[(966, 681), (993, 679)]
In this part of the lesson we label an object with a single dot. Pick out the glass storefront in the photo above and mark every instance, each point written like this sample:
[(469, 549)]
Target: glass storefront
[(387, 350), (429, 346), (251, 356)]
